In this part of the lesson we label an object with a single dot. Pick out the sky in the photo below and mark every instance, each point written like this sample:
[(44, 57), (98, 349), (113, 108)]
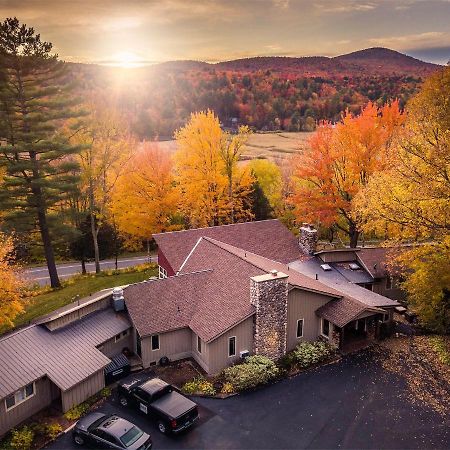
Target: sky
[(139, 32)]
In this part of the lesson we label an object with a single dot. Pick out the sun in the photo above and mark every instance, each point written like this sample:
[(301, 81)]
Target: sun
[(127, 59)]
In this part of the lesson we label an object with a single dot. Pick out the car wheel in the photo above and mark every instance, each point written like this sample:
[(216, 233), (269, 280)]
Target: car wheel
[(123, 401), (78, 439), (162, 427)]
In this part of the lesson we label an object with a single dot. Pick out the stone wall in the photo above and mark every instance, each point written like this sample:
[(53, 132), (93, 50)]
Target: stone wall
[(307, 239), (269, 295)]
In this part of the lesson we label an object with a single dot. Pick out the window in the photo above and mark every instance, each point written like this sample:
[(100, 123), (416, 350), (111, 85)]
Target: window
[(232, 346), (368, 286), (300, 328), (325, 328), (120, 336), (20, 396), (155, 342), (388, 282), (162, 272), (199, 344)]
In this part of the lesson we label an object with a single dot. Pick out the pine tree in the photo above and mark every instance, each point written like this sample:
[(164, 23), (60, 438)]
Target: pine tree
[(35, 100)]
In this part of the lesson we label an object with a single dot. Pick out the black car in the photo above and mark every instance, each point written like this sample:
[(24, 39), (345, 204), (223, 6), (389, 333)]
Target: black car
[(110, 431), (159, 400)]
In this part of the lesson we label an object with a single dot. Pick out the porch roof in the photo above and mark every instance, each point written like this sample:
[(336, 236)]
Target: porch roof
[(342, 311)]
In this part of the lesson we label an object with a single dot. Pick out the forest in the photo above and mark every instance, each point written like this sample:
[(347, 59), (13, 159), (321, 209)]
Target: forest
[(266, 94), (82, 178)]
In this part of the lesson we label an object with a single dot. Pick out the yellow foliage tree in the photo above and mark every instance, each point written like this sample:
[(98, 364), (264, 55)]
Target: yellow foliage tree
[(410, 200), (10, 283), (214, 190), (144, 199)]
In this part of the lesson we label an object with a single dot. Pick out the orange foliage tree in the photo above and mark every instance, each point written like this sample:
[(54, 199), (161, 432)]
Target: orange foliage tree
[(339, 162), (145, 200), (10, 283)]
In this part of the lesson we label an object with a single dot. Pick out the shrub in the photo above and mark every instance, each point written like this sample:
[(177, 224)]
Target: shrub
[(439, 346), (52, 430), (77, 411), (198, 386), (22, 439), (227, 388), (308, 353), (105, 392), (254, 371)]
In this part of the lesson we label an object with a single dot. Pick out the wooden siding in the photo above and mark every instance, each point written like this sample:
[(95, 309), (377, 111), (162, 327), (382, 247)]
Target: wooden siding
[(40, 400), (202, 357), (78, 314), (111, 348), (163, 262), (83, 391), (217, 350), (337, 256), (174, 344), (303, 305)]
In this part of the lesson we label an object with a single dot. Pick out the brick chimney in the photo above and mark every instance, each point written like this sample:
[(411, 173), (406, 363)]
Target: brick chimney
[(269, 295), (307, 239)]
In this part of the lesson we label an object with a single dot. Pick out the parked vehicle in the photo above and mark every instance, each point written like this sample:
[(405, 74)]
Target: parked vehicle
[(159, 400), (110, 431)]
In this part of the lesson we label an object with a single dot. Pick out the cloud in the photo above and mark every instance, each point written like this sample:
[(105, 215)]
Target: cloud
[(345, 6), (420, 40), (282, 4)]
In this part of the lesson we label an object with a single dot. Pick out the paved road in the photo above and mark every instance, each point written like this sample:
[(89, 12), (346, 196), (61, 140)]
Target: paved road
[(351, 404), (40, 274)]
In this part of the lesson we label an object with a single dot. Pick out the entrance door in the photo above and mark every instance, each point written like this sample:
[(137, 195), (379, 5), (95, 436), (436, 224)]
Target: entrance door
[(138, 345)]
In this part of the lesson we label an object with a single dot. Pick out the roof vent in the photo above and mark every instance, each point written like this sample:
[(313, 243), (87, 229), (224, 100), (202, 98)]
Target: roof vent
[(354, 266), (325, 267), (274, 272)]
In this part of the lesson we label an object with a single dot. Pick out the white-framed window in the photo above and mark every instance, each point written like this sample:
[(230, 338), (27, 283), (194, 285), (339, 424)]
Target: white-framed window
[(232, 346), (155, 342), (162, 273), (20, 396), (120, 336), (199, 344), (325, 328), (299, 332)]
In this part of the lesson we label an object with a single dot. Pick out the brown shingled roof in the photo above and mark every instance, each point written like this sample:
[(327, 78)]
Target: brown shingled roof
[(211, 295), (375, 259), (341, 312), (268, 238)]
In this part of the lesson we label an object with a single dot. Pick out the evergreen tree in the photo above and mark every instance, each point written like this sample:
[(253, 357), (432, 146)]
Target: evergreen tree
[(35, 100)]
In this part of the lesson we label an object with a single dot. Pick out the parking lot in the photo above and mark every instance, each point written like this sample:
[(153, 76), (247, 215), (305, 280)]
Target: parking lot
[(351, 404)]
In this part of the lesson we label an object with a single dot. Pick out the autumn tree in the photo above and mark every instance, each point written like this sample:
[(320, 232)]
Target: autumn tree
[(107, 145), (35, 97), (339, 162), (10, 283), (213, 188), (410, 201), (144, 199)]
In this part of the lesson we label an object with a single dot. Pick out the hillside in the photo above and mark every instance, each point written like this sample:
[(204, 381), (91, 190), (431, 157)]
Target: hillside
[(266, 93)]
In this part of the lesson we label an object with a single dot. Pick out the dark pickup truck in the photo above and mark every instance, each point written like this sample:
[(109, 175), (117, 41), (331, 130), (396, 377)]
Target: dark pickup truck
[(159, 400)]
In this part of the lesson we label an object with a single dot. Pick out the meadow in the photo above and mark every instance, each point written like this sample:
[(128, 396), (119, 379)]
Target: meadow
[(274, 146)]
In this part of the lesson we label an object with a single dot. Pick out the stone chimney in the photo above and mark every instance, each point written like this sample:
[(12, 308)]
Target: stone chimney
[(307, 239), (269, 295)]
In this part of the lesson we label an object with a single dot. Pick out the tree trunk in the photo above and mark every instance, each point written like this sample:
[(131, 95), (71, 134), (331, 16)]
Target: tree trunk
[(48, 248), (83, 265), (95, 241), (354, 235)]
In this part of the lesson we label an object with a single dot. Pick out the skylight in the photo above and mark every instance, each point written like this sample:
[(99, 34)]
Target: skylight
[(326, 267), (354, 266)]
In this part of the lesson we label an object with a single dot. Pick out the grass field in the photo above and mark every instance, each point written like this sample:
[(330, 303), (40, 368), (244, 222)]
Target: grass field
[(76, 288), (274, 146)]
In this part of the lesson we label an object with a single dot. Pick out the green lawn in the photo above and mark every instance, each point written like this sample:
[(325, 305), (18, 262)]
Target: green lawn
[(79, 287)]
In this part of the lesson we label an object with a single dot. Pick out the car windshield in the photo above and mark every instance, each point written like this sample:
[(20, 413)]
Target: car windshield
[(131, 436)]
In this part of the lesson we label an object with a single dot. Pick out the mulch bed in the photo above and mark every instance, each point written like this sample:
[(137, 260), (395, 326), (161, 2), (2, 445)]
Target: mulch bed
[(179, 372)]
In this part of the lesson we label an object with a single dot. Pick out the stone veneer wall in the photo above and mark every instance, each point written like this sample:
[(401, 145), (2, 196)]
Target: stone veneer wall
[(307, 240), (270, 297)]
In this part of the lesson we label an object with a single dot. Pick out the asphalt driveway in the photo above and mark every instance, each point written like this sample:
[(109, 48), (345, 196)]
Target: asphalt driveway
[(351, 404)]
